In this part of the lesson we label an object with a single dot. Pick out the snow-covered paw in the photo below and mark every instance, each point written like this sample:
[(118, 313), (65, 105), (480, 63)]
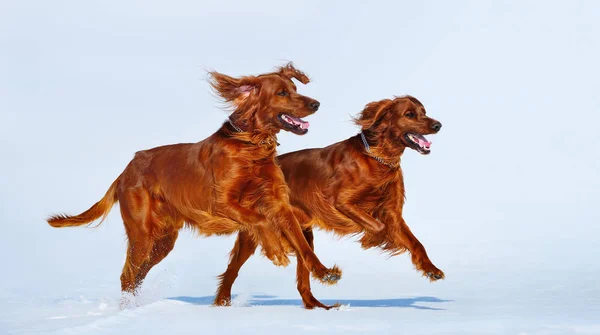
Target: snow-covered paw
[(337, 305), (331, 276), (318, 304), (128, 300), (222, 301), (435, 275)]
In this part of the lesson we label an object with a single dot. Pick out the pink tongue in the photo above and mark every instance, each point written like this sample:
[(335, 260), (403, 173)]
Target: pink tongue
[(424, 143), (298, 122)]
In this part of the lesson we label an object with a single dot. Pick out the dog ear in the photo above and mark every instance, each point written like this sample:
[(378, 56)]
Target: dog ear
[(291, 72), (233, 90), (373, 113)]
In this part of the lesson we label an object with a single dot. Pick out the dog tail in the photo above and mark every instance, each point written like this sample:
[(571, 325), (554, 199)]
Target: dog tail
[(99, 209)]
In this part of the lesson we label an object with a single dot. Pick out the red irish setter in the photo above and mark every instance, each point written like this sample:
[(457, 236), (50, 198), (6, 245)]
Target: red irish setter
[(355, 187), (224, 184)]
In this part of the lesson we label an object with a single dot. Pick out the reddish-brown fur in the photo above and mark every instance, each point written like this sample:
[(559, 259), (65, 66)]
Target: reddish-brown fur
[(342, 188), (224, 184)]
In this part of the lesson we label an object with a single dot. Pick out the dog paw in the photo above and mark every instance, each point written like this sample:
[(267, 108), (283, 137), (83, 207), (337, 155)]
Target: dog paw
[(434, 275), (222, 301), (330, 276), (320, 305), (127, 301), (337, 305)]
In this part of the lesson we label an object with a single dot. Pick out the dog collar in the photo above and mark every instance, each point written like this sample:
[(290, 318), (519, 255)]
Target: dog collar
[(239, 130), (368, 149)]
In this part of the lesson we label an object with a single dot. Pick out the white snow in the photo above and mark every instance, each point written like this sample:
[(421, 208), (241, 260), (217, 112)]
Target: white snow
[(379, 295), (507, 203)]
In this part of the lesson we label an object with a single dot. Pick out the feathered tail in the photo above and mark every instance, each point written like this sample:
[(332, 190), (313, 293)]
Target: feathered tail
[(99, 209)]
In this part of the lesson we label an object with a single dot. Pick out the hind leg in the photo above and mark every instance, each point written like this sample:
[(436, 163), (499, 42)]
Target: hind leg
[(243, 249), (145, 224), (138, 252), (160, 249), (135, 210)]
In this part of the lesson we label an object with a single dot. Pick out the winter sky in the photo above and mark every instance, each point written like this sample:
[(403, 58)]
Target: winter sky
[(506, 204)]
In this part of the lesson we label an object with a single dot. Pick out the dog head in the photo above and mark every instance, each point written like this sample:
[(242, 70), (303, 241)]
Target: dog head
[(400, 122), (268, 102)]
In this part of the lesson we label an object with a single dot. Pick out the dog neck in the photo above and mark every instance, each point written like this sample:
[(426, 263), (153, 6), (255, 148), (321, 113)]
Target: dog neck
[(264, 141), (377, 158)]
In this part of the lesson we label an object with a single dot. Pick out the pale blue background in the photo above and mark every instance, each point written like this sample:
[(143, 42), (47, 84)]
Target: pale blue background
[(506, 204)]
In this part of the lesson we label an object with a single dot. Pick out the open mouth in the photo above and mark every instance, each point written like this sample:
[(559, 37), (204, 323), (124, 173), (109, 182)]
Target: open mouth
[(294, 124), (418, 142)]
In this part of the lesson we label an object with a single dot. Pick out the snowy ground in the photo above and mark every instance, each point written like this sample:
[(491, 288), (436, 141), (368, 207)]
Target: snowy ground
[(269, 316), (82, 297)]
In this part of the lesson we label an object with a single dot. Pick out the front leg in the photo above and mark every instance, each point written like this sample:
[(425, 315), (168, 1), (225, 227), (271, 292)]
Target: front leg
[(359, 216), (303, 279), (401, 237), (290, 228), (258, 228), (245, 216)]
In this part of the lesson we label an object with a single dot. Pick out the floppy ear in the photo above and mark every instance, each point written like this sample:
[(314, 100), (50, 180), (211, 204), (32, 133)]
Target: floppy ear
[(291, 72), (235, 90), (373, 113)]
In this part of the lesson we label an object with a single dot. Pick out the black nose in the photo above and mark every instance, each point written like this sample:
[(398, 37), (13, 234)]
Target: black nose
[(314, 105), (436, 126)]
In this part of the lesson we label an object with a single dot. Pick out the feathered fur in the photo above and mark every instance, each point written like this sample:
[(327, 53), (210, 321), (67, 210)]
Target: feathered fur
[(345, 189), (224, 184)]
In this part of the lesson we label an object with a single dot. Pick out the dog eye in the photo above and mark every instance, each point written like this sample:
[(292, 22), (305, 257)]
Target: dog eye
[(282, 93), (410, 115)]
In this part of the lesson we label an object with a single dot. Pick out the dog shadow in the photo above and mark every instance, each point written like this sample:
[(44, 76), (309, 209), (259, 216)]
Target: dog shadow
[(271, 300)]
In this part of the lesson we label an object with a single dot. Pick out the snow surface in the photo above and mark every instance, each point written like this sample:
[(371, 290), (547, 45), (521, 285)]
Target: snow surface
[(506, 204), (514, 304)]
